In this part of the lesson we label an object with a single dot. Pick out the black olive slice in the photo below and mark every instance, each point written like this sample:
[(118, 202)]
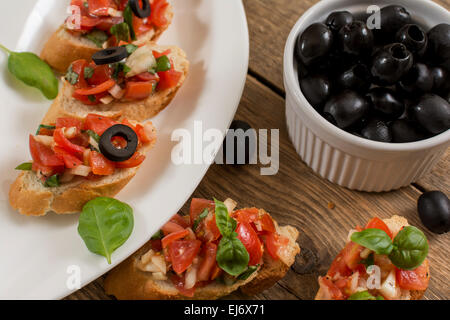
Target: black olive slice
[(108, 149), (139, 12), (110, 55)]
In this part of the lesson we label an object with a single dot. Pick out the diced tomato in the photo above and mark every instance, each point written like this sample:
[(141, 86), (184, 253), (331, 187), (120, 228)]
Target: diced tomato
[(246, 215), (180, 220), (105, 86), (138, 90), (273, 243), (45, 170), (171, 227), (267, 223), (156, 245), (377, 223), (69, 159), (78, 67), (64, 143), (339, 266), (351, 254), (168, 79), (100, 7), (122, 4), (100, 75), (182, 253), (134, 161), (208, 262), (197, 207), (158, 13), (142, 135), (98, 124), (416, 279), (174, 236), (139, 26), (146, 76), (106, 23), (90, 100), (88, 22), (329, 286), (251, 242), (68, 123), (100, 165), (178, 282), (157, 54), (44, 155), (211, 231)]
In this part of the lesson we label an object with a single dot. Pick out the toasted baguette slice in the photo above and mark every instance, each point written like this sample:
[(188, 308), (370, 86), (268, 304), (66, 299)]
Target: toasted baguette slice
[(127, 282), (30, 197), (63, 47), (66, 106), (395, 224)]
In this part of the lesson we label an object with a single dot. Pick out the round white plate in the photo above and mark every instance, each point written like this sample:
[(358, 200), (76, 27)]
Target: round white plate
[(38, 255)]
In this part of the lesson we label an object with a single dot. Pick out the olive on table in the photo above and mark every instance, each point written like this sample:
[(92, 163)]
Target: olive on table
[(434, 211), (414, 38), (346, 108), (391, 63), (109, 149), (110, 55), (314, 43), (317, 90), (432, 113), (386, 103)]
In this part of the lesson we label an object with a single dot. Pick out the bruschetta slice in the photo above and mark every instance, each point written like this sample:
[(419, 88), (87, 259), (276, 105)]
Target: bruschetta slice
[(207, 269), (348, 277), (136, 88), (74, 161)]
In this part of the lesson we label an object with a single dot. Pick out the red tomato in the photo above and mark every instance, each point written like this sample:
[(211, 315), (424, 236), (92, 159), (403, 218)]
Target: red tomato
[(105, 86), (100, 165), (267, 223), (178, 282), (197, 207), (416, 279), (139, 26), (351, 254), (174, 236), (208, 262), (45, 170), (251, 242), (106, 23), (180, 220), (97, 123), (246, 215), (156, 245), (157, 54), (158, 13), (100, 7), (146, 76), (273, 243), (334, 291), (88, 22), (44, 155), (138, 90), (90, 100), (100, 75), (171, 227), (70, 160), (68, 123), (212, 232), (78, 67), (134, 161), (182, 253), (168, 79), (377, 223), (339, 266), (64, 143), (140, 131)]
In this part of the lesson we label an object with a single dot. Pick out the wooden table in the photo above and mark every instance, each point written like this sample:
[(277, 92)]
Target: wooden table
[(296, 195)]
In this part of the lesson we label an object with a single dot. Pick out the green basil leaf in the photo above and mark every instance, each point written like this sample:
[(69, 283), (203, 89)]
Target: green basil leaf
[(162, 64), (52, 182), (247, 273), (105, 224), (410, 248), (26, 166), (45, 127), (121, 31), (126, 68), (128, 18), (88, 72), (93, 135), (31, 70), (224, 221), (131, 48), (374, 239), (98, 37), (232, 257), (200, 218), (71, 76), (364, 295), (158, 235)]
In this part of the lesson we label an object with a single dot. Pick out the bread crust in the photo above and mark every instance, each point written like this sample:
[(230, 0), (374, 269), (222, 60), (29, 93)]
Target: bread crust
[(127, 282)]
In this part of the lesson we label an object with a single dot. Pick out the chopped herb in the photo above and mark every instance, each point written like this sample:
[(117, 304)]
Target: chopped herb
[(364, 295), (53, 181), (247, 273), (26, 166), (126, 69), (98, 37), (131, 48), (200, 218), (43, 126), (163, 64), (71, 76), (121, 31), (92, 98), (93, 135), (88, 72), (86, 5), (158, 235), (128, 18)]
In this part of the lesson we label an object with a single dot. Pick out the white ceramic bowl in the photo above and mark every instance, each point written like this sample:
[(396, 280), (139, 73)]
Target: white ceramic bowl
[(339, 156)]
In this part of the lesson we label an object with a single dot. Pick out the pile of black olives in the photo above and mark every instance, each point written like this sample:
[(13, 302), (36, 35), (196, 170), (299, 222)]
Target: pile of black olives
[(390, 84)]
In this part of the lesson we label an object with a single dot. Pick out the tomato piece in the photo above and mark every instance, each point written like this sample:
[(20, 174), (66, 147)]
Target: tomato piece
[(88, 22), (105, 86), (44, 155), (377, 223), (171, 227), (138, 90), (351, 254), (146, 76), (140, 131), (246, 215), (100, 75), (180, 220), (182, 253), (168, 79), (134, 161), (197, 207), (273, 243), (100, 7), (70, 161), (90, 100), (251, 242), (208, 262), (212, 232), (106, 23), (174, 236), (98, 124), (45, 170), (334, 291), (139, 26), (157, 54), (416, 279), (158, 13), (68, 123), (156, 245), (78, 67), (267, 223), (64, 143), (178, 282), (339, 266), (100, 165)]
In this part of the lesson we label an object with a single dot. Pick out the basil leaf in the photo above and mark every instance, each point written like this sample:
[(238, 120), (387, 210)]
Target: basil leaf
[(131, 48), (31, 70), (52, 182), (410, 248), (126, 68), (247, 273), (88, 72), (232, 257), (71, 76), (121, 31), (200, 218), (26, 166), (45, 127), (93, 135), (224, 222), (162, 64), (364, 295), (158, 235), (105, 224), (98, 37), (374, 239), (128, 18)]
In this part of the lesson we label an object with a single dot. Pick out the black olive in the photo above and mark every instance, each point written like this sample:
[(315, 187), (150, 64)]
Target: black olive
[(391, 63), (317, 90), (417, 80), (433, 113), (414, 38), (110, 55), (356, 38), (243, 146), (439, 44), (386, 103), (392, 18), (346, 108), (405, 131), (139, 12), (336, 20), (441, 80), (314, 43), (434, 211), (377, 130), (356, 78), (108, 149)]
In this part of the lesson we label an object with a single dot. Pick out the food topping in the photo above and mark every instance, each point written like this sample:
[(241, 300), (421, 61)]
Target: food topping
[(118, 143), (109, 55)]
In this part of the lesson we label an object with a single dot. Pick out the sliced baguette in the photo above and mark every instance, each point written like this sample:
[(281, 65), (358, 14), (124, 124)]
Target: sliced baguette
[(395, 224), (30, 197), (66, 106), (63, 47), (127, 282)]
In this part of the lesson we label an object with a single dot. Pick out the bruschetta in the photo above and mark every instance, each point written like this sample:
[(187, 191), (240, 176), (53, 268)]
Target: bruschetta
[(348, 277), (208, 254), (137, 87), (97, 24), (74, 161)]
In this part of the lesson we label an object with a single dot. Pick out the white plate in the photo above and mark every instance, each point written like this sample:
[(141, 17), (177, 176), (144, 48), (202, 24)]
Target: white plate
[(36, 252)]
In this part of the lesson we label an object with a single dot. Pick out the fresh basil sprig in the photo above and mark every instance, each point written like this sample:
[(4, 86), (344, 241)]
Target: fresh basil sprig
[(128, 18), (408, 250), (105, 224), (232, 256), (31, 70), (26, 166), (364, 295), (247, 273)]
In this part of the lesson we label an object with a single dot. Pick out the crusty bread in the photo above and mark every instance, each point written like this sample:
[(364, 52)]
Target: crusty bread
[(395, 224), (127, 282), (63, 47), (30, 197), (66, 106)]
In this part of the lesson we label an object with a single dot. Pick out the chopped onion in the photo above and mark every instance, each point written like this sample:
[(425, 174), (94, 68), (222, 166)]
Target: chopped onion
[(365, 253), (80, 170), (230, 204), (159, 276), (150, 131), (160, 263), (93, 143), (389, 288), (191, 277), (106, 99), (147, 257), (45, 140), (116, 91), (115, 13), (70, 133)]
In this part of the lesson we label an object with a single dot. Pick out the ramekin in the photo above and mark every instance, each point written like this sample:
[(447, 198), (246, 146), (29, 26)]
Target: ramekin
[(343, 158)]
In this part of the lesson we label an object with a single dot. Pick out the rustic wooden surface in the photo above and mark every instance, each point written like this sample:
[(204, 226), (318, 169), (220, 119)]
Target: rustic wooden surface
[(296, 195)]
